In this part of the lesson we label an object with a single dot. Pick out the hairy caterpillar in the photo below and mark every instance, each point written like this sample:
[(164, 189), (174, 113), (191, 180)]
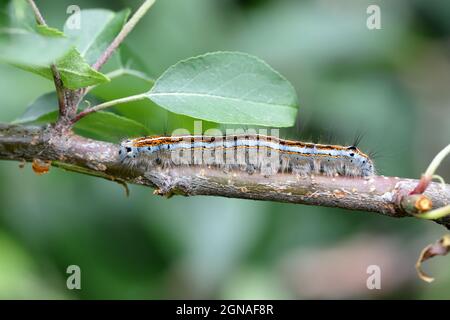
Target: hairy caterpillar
[(249, 152)]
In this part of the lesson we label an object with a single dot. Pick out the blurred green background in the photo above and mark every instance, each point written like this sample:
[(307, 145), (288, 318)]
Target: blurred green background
[(390, 84)]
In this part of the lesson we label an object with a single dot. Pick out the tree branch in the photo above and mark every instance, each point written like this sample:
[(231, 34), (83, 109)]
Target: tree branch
[(74, 153)]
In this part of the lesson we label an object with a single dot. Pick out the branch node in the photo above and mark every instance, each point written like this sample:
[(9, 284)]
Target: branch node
[(416, 204), (423, 184)]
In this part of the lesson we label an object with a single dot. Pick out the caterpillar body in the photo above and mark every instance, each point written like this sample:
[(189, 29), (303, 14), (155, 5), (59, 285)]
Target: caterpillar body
[(253, 153)]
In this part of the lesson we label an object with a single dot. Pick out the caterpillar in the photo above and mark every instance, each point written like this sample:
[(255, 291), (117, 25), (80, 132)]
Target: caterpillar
[(253, 153)]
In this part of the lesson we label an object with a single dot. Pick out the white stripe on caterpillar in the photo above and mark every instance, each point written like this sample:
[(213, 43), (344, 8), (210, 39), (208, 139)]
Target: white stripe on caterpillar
[(250, 152)]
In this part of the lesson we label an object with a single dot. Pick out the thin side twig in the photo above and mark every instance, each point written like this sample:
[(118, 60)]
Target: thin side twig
[(127, 28), (123, 33), (108, 104), (39, 18), (429, 173), (59, 86)]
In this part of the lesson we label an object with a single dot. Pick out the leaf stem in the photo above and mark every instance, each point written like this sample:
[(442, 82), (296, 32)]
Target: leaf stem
[(429, 173), (437, 161), (123, 33), (435, 214), (108, 104)]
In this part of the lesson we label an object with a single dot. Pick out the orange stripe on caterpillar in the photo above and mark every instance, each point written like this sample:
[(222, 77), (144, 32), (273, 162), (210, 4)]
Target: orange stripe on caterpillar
[(252, 153)]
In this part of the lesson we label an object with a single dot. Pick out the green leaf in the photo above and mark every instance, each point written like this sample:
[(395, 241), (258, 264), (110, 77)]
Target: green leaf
[(43, 109), (21, 15), (97, 30), (125, 58), (127, 82), (34, 53), (27, 49), (127, 74), (227, 87), (99, 125), (109, 127), (124, 82), (76, 73)]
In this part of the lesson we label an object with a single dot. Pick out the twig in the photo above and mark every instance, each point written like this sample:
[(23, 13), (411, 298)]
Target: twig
[(59, 86), (80, 93), (377, 194), (39, 18), (123, 33), (109, 104)]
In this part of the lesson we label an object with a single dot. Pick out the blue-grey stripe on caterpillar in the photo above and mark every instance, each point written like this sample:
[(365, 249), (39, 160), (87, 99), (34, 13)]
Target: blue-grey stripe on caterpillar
[(253, 153)]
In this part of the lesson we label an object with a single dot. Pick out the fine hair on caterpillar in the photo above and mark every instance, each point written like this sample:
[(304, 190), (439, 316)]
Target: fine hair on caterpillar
[(246, 150)]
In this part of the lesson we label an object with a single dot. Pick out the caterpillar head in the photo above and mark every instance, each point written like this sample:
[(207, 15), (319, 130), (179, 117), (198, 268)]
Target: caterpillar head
[(366, 164), (126, 150)]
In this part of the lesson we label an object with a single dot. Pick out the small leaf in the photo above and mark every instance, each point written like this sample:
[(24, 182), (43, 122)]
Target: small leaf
[(35, 53), (97, 30), (227, 87), (21, 16), (76, 73), (48, 31)]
